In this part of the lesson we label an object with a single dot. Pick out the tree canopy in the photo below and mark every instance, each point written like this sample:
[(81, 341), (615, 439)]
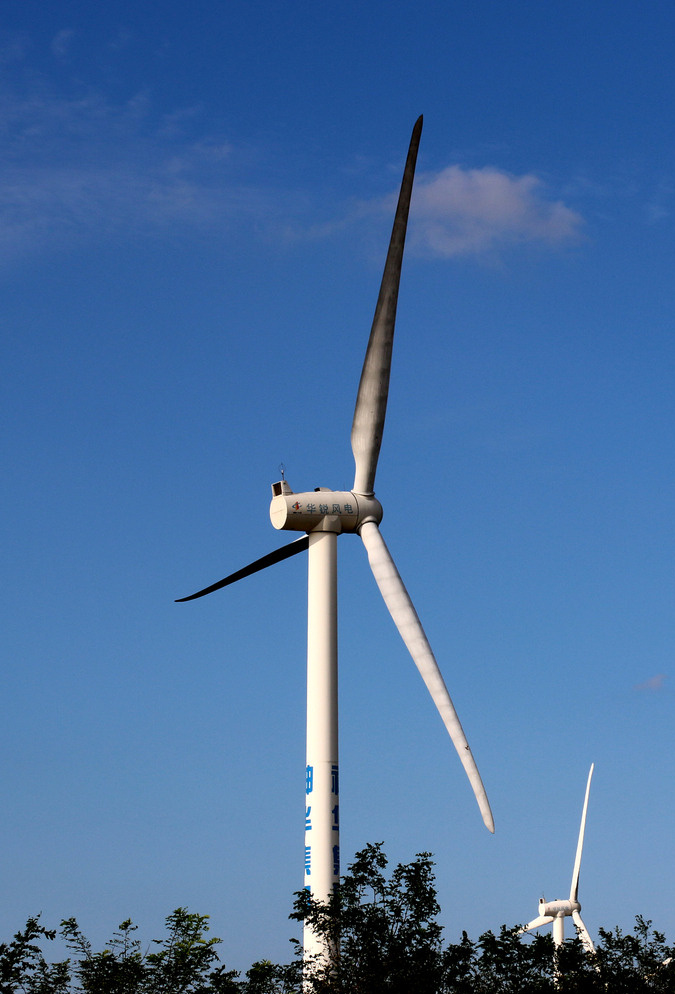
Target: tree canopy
[(386, 938)]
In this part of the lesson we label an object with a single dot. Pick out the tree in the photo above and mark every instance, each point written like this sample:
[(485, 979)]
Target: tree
[(385, 932), (21, 960), (182, 963), (386, 937), (119, 968), (636, 963)]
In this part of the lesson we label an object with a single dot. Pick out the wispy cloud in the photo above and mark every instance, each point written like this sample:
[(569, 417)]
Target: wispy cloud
[(471, 211), (61, 44), (75, 167), (654, 683), (80, 166)]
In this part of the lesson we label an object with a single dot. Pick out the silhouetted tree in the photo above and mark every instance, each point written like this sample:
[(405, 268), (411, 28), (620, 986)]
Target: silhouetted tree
[(384, 930), (387, 940)]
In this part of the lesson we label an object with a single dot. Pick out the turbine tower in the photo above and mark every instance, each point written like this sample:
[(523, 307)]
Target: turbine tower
[(322, 515), (557, 911)]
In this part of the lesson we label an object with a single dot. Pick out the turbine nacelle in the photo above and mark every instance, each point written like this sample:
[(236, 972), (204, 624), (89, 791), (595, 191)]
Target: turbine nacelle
[(557, 909), (321, 510)]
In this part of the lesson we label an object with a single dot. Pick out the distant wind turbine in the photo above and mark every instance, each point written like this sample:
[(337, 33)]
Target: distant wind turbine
[(557, 911), (324, 514)]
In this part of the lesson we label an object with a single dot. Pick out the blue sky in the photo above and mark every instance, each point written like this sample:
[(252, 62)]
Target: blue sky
[(194, 212)]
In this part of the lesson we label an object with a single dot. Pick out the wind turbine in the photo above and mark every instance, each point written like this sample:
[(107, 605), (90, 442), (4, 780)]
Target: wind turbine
[(322, 515), (557, 911)]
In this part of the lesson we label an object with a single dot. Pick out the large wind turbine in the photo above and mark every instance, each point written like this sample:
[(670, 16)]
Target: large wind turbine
[(557, 911), (322, 515)]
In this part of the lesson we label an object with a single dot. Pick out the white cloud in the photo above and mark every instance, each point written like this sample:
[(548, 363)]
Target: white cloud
[(654, 683), (468, 211), (82, 167), (61, 43)]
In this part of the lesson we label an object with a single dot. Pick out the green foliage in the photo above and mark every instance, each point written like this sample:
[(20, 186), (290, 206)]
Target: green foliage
[(20, 955), (386, 939), (385, 930), (119, 968), (181, 963), (265, 977), (635, 963)]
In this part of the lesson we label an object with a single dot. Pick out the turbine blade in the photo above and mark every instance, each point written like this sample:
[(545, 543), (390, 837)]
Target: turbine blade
[(537, 922), (278, 556), (371, 400), (574, 890), (405, 618), (583, 932)]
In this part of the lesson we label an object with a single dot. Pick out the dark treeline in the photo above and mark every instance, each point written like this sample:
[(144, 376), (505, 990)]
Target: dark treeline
[(388, 940)]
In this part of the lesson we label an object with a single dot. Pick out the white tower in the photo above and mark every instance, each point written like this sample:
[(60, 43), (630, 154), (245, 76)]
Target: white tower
[(322, 515)]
